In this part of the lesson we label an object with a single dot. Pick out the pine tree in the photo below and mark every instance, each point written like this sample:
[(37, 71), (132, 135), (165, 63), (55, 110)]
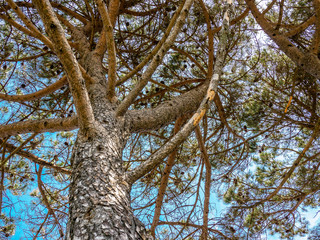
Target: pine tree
[(132, 119)]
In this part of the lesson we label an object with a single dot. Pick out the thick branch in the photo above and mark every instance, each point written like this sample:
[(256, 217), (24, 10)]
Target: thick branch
[(316, 36), (210, 39), (167, 112), (280, 15), (307, 61), (301, 27), (106, 41), (39, 126), (167, 148), (114, 6), (67, 58)]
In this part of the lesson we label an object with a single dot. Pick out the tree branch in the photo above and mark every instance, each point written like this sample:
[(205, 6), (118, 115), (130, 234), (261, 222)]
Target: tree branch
[(301, 27), (155, 159), (164, 182), (203, 149), (29, 24), (146, 13), (114, 6), (36, 95), (17, 25), (165, 113), (57, 6), (157, 55), (195, 226), (107, 40), (280, 15), (45, 199), (234, 21), (34, 158), (307, 61), (210, 39), (295, 164), (316, 36), (39, 126), (68, 60), (17, 149), (25, 58)]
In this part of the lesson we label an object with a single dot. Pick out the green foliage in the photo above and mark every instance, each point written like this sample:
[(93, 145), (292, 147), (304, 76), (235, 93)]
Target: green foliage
[(251, 142)]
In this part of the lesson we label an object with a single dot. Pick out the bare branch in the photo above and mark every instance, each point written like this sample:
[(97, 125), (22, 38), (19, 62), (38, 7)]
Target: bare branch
[(17, 25), (233, 21), (57, 6), (146, 13), (195, 226), (164, 181), (207, 163), (166, 112), (35, 158), (45, 199), (295, 164), (3, 145), (36, 95), (154, 51), (191, 58), (25, 58), (17, 149)]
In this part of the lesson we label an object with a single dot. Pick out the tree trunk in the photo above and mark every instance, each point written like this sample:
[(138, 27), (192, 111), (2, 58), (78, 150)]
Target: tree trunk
[(99, 198)]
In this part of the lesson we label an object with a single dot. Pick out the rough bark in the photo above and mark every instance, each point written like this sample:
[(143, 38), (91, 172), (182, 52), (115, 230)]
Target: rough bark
[(100, 189), (99, 197)]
